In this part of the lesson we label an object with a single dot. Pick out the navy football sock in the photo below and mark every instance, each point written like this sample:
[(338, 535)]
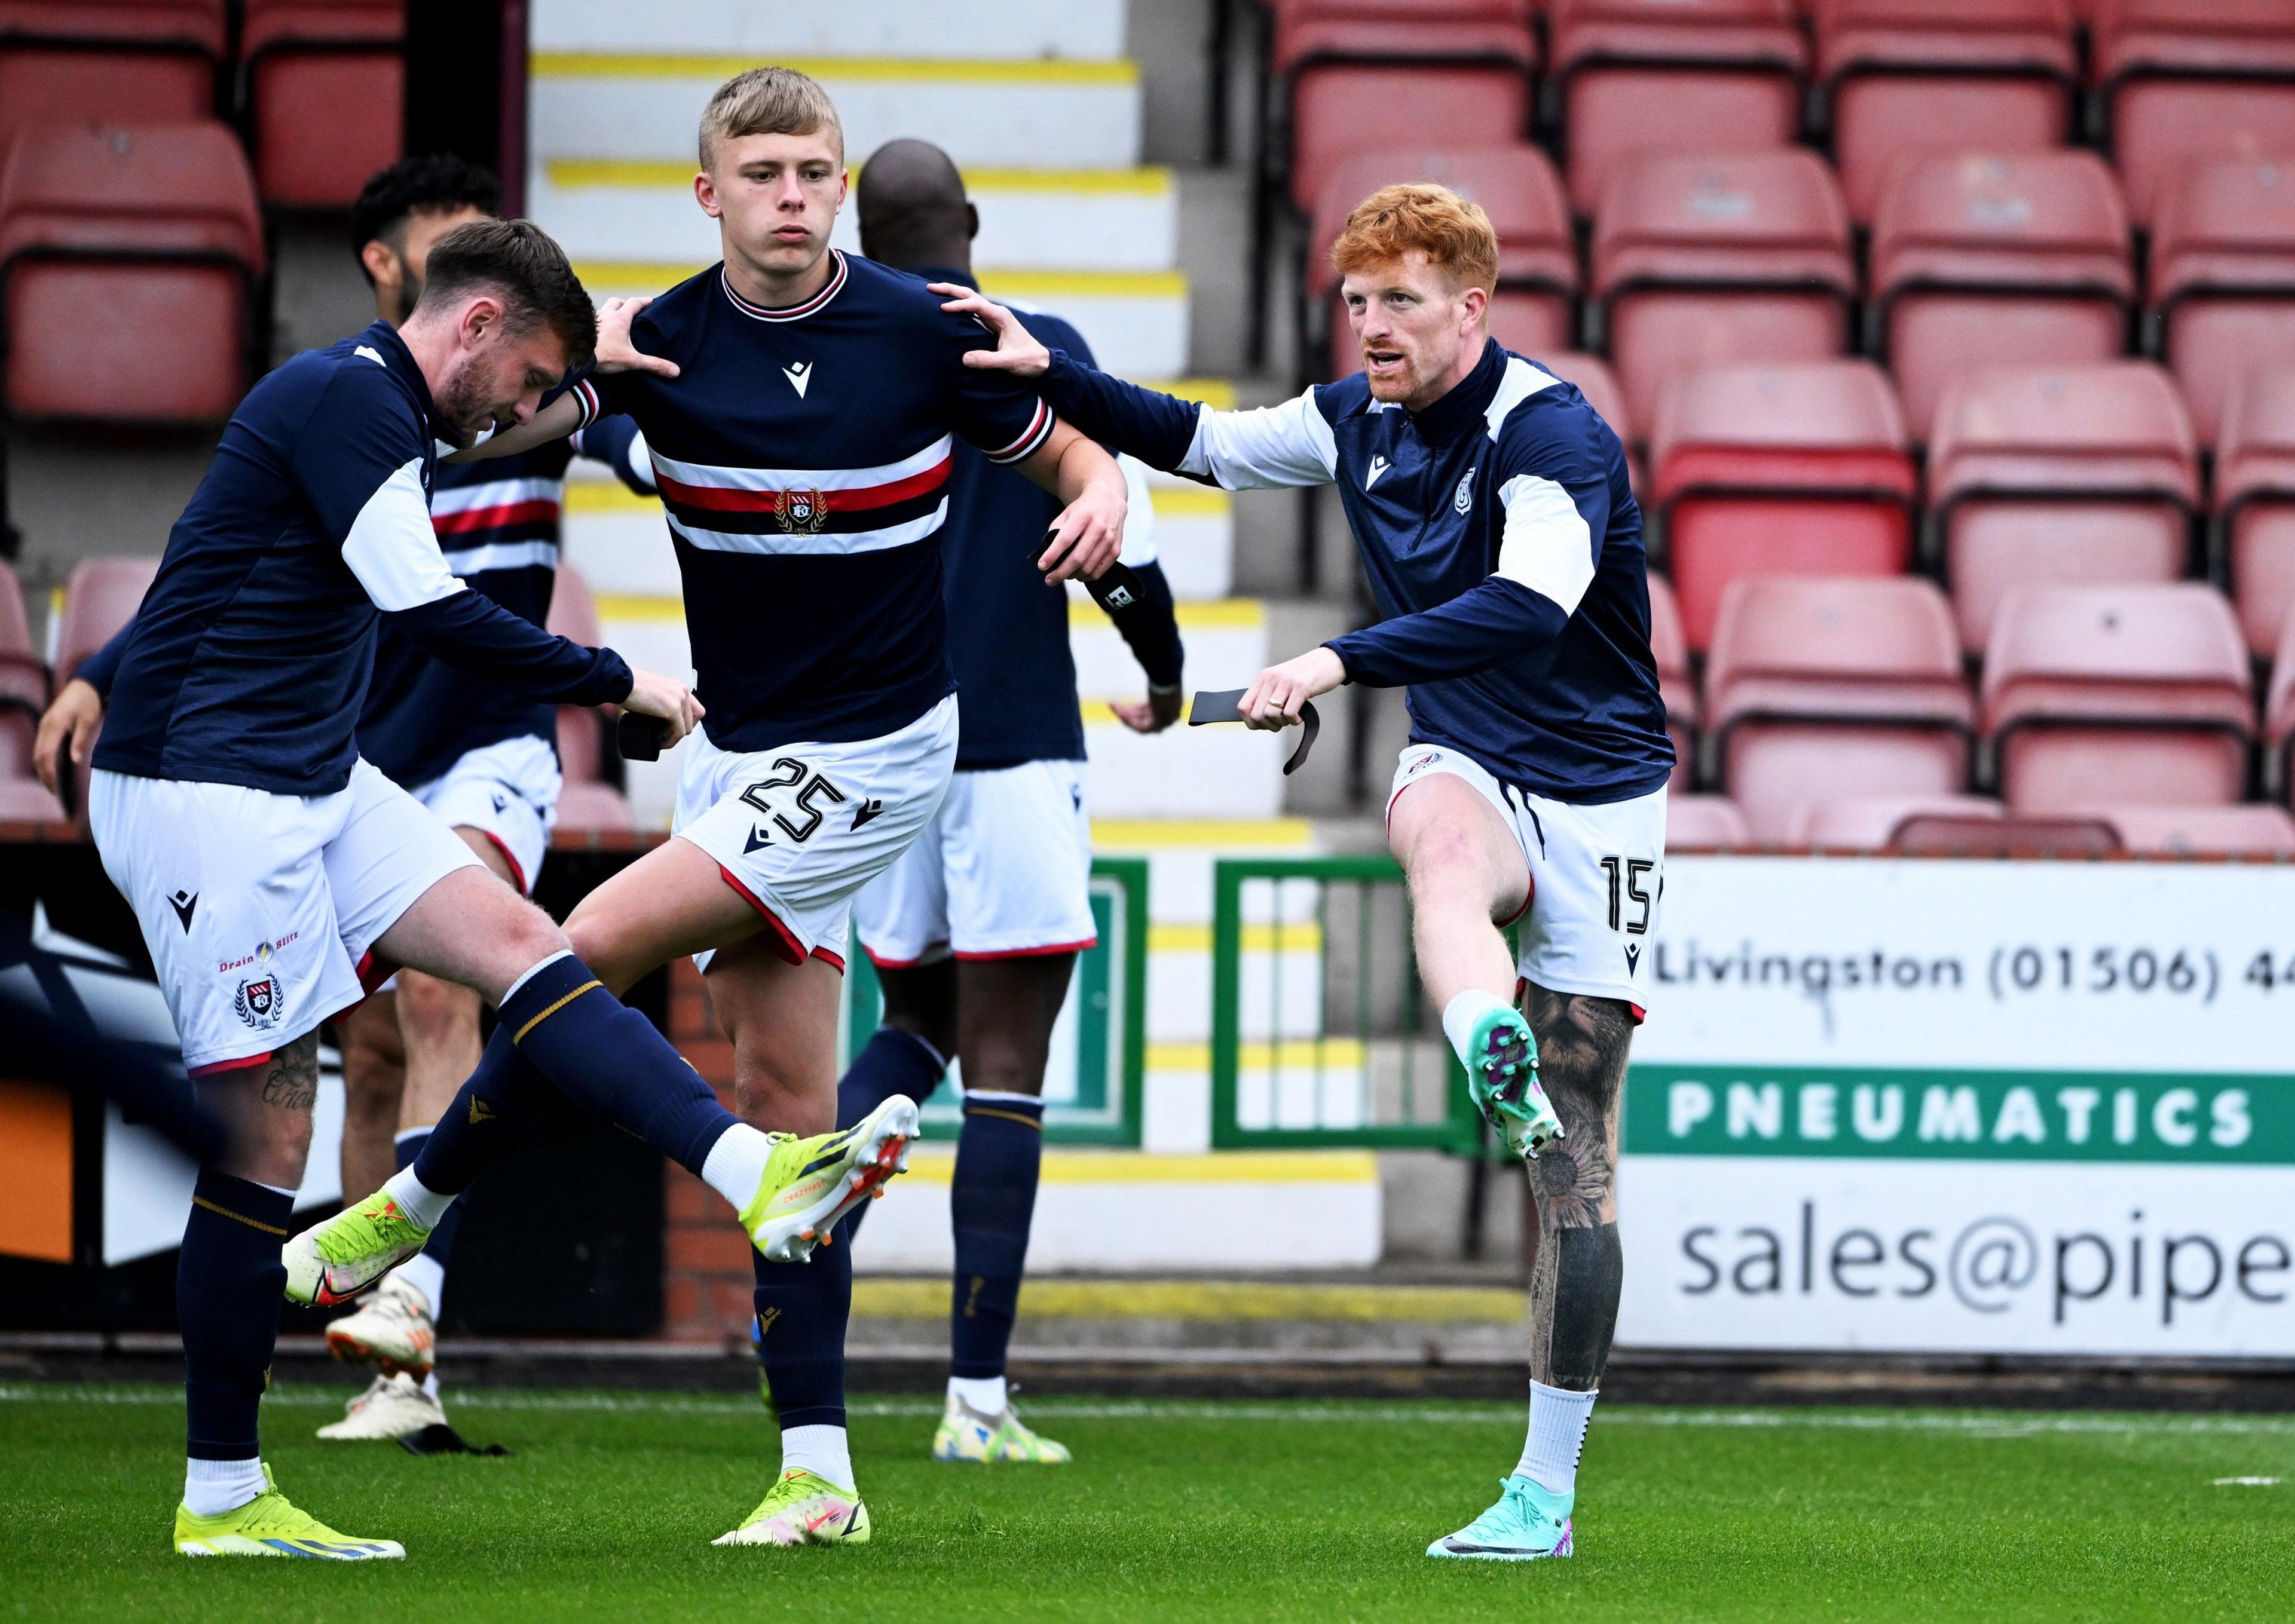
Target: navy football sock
[(561, 1023), (489, 1116), (892, 1062), (440, 1247), (802, 1312), (229, 1282), (999, 1155)]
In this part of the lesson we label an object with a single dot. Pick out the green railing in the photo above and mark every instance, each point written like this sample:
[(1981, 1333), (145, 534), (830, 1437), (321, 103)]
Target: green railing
[(1092, 1084), (1321, 1032)]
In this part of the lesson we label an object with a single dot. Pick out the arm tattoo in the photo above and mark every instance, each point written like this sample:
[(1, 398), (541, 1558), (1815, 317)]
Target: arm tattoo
[(291, 1082), (1577, 1268)]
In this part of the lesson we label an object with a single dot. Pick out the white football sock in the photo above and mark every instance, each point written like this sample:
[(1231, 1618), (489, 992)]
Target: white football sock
[(416, 1199), (427, 1275), (986, 1394), (736, 1163), (820, 1450), (214, 1487), (431, 1384), (1463, 1014), (1557, 1437)]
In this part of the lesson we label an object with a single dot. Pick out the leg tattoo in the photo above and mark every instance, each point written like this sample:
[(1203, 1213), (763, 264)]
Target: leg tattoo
[(1575, 1278)]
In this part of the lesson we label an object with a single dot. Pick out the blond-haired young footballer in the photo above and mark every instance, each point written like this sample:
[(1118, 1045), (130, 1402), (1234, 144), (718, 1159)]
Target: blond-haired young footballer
[(800, 407), (1504, 546)]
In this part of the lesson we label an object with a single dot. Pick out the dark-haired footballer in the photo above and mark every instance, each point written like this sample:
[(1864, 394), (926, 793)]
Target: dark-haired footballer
[(272, 870)]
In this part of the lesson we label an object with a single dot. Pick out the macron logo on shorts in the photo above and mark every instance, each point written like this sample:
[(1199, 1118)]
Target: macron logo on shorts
[(866, 813)]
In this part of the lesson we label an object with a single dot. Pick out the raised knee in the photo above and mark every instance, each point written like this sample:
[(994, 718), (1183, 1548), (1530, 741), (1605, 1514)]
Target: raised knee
[(1443, 858)]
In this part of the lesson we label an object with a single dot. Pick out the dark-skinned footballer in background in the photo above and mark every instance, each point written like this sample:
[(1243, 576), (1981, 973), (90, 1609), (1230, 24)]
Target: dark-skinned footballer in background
[(974, 931)]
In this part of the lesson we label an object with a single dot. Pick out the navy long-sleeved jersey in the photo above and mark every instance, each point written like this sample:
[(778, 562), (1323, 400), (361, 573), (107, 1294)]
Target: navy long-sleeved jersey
[(1503, 544), (805, 456), (496, 521), (248, 662), (1008, 632)]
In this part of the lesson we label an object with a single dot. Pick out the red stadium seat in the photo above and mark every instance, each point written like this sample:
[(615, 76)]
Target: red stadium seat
[(1383, 75), (1639, 76), (1674, 682), (1702, 260), (1998, 260), (2009, 835), (2118, 695), (23, 801), (1704, 822), (1871, 823), (326, 84), (101, 596), (83, 62), (1599, 385), (2254, 539), (1533, 310), (2202, 831), (1911, 78), (587, 802), (1818, 688), (1779, 470), (2077, 475), (2182, 79), (127, 262), (2223, 278), (23, 679)]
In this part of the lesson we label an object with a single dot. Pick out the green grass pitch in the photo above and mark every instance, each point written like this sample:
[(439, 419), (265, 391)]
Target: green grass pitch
[(1173, 1510)]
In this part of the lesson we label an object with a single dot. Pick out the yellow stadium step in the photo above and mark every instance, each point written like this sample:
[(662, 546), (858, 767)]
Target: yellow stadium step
[(987, 112)]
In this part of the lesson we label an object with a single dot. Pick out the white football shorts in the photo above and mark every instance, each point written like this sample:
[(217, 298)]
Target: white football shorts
[(799, 829), (1595, 876), (260, 910), (1002, 871), (507, 791)]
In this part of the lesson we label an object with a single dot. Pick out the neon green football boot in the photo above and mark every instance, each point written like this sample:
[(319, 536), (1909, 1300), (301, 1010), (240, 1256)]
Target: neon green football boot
[(334, 1262), (803, 1508), (966, 1435), (809, 1183), (1530, 1523), (1502, 1077), (268, 1525)]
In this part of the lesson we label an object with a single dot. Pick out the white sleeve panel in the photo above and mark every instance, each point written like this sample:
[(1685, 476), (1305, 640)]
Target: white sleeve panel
[(641, 461), (1138, 513), (392, 549), (1547, 546), (1269, 447)]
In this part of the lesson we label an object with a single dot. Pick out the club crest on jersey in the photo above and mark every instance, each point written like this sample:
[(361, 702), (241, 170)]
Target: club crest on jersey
[(259, 1002), (1465, 499), (800, 509)]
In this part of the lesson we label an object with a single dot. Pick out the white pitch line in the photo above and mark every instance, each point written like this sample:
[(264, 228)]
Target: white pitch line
[(1995, 1425)]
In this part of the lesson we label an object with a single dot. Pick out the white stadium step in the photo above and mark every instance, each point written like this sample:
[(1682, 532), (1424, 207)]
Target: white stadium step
[(987, 113), (1046, 219), (771, 30)]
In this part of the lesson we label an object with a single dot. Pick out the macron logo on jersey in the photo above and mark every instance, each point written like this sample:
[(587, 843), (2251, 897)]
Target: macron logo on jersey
[(1378, 467), (799, 375)]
